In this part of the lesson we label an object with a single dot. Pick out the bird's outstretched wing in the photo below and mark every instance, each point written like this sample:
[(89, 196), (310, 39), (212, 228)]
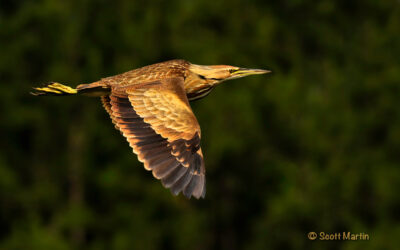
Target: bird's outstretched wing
[(163, 131)]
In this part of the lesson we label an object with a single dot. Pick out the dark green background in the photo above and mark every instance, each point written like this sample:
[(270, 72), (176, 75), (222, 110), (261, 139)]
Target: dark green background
[(312, 147)]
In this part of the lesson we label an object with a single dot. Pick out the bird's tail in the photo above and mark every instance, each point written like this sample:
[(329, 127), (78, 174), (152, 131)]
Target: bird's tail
[(55, 88)]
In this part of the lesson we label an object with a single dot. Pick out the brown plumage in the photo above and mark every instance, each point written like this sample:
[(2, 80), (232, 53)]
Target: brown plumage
[(150, 107)]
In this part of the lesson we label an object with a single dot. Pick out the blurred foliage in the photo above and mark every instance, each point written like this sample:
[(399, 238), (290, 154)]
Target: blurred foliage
[(312, 147)]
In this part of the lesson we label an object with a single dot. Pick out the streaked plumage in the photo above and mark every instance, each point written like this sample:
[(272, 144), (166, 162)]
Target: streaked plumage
[(150, 107)]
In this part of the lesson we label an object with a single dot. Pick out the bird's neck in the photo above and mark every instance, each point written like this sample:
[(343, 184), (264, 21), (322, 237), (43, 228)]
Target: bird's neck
[(196, 87)]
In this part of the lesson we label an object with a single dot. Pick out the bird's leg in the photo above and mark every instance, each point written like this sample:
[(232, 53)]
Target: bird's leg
[(54, 88)]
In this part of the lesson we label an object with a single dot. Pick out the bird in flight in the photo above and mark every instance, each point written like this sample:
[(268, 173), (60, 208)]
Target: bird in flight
[(150, 107)]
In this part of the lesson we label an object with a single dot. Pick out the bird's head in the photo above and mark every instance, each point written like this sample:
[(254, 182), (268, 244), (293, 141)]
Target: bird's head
[(215, 74)]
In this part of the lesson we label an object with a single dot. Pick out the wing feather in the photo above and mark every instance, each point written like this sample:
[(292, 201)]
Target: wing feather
[(163, 131)]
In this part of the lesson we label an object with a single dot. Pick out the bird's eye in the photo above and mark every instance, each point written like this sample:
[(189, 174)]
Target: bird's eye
[(232, 70)]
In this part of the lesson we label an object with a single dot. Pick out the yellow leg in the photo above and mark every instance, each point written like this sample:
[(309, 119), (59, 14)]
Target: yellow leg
[(55, 88)]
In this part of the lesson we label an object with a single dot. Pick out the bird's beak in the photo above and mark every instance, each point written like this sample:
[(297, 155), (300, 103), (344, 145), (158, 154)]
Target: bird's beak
[(241, 72)]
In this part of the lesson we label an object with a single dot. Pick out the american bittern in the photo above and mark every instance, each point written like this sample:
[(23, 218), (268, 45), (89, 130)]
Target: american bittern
[(150, 107)]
